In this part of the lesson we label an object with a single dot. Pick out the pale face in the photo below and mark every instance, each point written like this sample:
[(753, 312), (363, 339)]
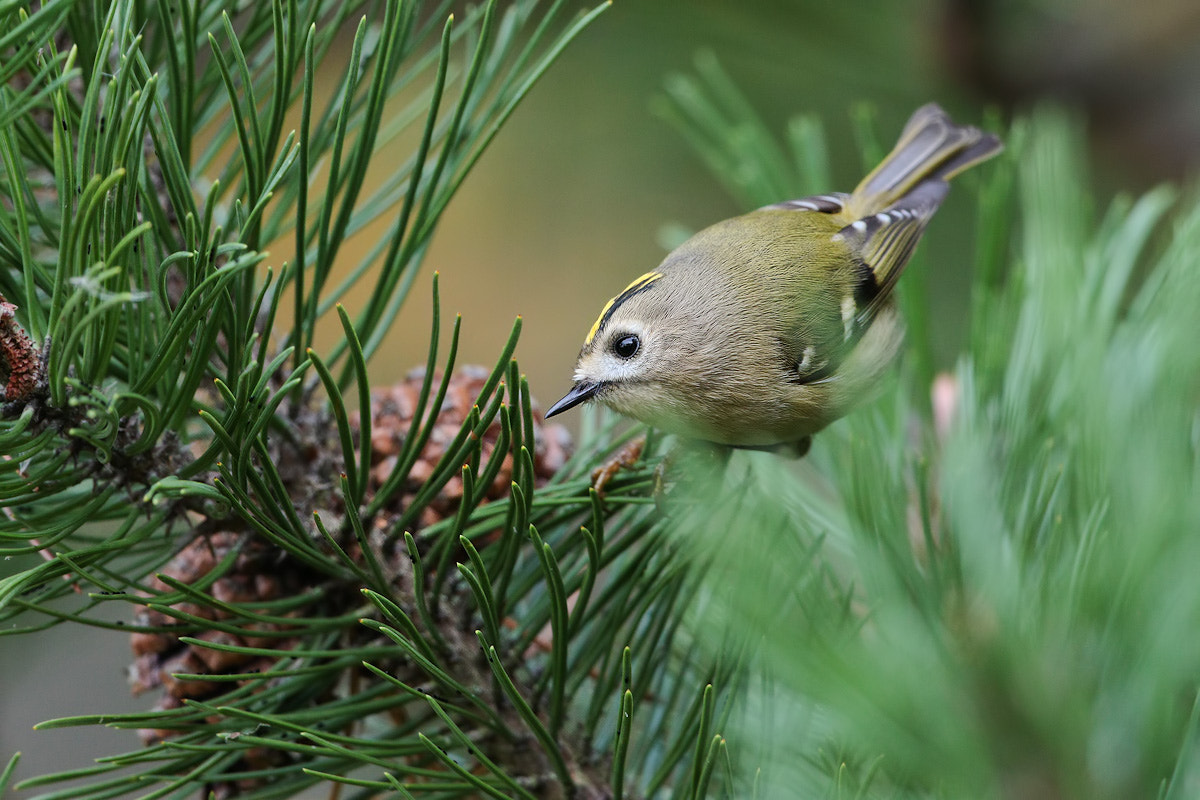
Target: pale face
[(619, 354)]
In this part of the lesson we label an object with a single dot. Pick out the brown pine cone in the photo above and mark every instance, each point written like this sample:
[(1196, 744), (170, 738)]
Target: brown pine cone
[(261, 573), (158, 656), (392, 411)]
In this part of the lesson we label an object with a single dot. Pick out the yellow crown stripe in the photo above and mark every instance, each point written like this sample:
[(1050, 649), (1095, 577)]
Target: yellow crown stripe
[(596, 325), (636, 286)]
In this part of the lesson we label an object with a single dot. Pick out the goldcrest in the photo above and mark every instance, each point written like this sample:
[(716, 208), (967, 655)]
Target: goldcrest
[(759, 331)]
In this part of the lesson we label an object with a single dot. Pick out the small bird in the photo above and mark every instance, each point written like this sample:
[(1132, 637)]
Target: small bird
[(759, 331)]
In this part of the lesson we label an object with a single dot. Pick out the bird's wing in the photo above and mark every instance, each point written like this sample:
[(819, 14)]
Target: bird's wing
[(825, 332), (832, 203), (884, 242)]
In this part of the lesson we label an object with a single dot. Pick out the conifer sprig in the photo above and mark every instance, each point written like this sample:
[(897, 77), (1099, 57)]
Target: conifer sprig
[(312, 609)]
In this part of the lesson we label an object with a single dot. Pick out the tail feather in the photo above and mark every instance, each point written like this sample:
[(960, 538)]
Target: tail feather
[(931, 147), (891, 206)]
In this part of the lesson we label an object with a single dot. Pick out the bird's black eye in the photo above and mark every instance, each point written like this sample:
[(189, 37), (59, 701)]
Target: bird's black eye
[(627, 346)]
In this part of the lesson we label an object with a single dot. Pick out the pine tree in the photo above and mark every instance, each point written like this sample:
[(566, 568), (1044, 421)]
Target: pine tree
[(391, 592)]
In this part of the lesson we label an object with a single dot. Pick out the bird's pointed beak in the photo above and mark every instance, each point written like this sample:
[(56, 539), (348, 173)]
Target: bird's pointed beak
[(580, 392)]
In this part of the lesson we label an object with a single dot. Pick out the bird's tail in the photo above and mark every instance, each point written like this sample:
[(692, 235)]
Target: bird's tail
[(931, 148)]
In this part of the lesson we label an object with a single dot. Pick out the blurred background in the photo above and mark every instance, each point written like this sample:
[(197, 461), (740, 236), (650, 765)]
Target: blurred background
[(570, 202)]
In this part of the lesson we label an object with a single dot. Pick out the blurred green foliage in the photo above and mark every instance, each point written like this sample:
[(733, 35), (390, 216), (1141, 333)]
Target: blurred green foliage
[(986, 595)]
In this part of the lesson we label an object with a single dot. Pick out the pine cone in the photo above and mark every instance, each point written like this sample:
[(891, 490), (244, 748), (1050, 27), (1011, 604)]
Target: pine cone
[(392, 411), (255, 576), (261, 573)]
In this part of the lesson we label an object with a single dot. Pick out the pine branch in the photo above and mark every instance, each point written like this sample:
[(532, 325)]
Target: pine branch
[(397, 596)]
